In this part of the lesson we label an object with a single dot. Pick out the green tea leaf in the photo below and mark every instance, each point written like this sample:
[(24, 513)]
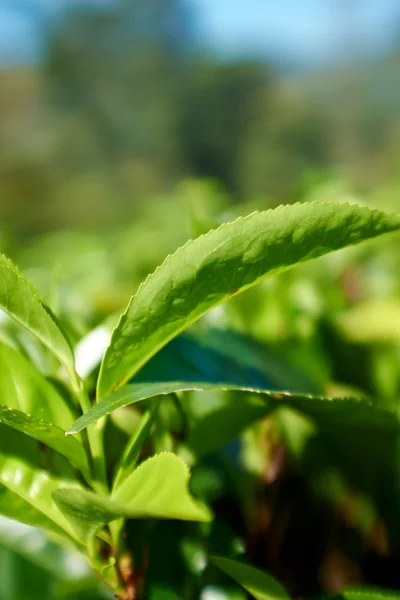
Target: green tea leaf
[(129, 394), (330, 410), (366, 594), (25, 389), (259, 584), (47, 434), (15, 507), (21, 302), (158, 488), (33, 473), (222, 263)]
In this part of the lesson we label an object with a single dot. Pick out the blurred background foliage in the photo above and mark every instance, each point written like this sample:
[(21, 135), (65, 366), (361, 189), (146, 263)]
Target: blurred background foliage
[(124, 137), (125, 100)]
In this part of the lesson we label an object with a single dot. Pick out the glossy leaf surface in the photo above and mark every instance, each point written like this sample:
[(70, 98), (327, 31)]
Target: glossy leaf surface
[(222, 263)]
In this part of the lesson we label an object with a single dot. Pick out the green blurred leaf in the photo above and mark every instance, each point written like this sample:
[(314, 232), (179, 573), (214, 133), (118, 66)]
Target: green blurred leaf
[(259, 584), (13, 506), (21, 301), (366, 594), (158, 488), (211, 354), (214, 430), (33, 473), (47, 434), (25, 389), (220, 264), (33, 566), (372, 321)]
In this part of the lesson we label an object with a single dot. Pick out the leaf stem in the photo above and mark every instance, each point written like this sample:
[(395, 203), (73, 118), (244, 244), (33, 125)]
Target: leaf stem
[(95, 437)]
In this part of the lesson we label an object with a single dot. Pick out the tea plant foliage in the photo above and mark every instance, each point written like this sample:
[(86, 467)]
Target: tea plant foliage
[(260, 585), (222, 263), (21, 301), (84, 486)]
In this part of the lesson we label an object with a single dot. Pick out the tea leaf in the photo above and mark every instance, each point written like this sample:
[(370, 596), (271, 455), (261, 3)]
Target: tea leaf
[(222, 263), (47, 434), (23, 388), (21, 302), (32, 473), (158, 488), (355, 412), (259, 584)]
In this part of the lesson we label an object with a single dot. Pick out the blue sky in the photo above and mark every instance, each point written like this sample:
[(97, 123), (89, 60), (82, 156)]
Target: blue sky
[(308, 31)]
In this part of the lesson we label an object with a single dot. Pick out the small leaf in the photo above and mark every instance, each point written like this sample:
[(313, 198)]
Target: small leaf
[(47, 434), (259, 584), (222, 263), (21, 302), (158, 488)]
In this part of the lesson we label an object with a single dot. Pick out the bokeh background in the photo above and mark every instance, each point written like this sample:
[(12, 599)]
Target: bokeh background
[(128, 126), (106, 103)]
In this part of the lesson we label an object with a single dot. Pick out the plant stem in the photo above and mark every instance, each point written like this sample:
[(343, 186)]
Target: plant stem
[(95, 438)]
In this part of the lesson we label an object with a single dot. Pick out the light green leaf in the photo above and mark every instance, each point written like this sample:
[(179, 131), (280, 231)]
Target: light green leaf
[(48, 434), (15, 507), (367, 594), (372, 321), (259, 584), (21, 302), (33, 473), (158, 488), (25, 389), (222, 263)]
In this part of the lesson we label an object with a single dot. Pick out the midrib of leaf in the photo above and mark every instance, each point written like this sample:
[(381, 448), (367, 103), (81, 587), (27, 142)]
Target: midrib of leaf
[(266, 248)]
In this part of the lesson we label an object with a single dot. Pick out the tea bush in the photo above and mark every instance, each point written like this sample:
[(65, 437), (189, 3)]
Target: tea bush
[(189, 436)]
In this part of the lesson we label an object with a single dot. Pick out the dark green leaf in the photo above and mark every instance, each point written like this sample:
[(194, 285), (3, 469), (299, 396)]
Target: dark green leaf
[(259, 584)]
